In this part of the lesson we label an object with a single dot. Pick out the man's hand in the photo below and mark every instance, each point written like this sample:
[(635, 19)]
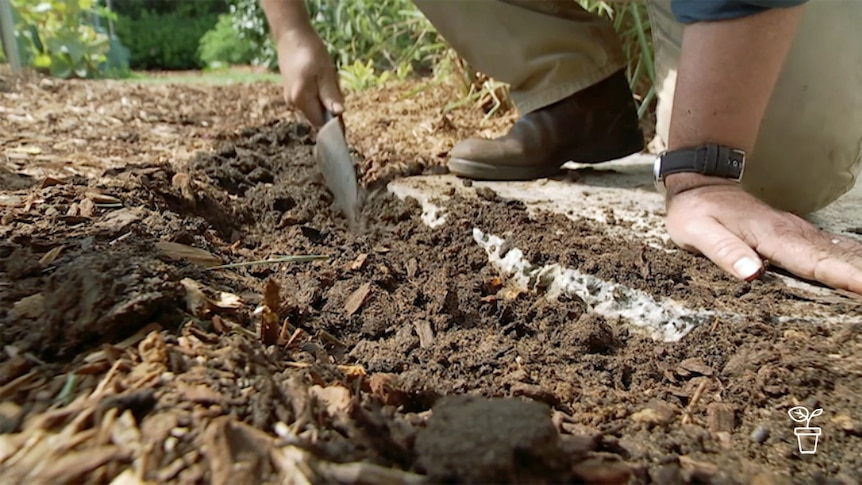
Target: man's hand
[(310, 77), (734, 229)]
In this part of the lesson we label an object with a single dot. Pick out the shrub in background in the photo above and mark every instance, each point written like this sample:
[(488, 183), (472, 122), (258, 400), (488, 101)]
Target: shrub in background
[(58, 36), (134, 8), (249, 22), (165, 35), (222, 46)]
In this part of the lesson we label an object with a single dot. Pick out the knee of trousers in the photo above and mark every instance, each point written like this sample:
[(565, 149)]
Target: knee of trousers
[(809, 148), (546, 50)]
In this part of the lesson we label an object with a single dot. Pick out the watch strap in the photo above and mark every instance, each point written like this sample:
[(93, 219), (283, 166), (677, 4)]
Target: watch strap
[(712, 160)]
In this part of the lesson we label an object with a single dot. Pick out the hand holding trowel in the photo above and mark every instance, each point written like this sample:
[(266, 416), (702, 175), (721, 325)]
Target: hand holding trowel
[(311, 84)]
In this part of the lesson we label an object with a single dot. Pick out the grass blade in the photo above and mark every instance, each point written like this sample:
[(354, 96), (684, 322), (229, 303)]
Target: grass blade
[(280, 259)]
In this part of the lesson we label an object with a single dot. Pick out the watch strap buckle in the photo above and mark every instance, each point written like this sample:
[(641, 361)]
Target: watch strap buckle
[(711, 159)]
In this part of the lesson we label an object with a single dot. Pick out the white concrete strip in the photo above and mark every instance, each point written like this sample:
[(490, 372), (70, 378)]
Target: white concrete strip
[(432, 215), (666, 320)]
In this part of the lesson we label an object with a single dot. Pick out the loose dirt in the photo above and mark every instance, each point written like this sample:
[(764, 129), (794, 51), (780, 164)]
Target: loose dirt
[(399, 356)]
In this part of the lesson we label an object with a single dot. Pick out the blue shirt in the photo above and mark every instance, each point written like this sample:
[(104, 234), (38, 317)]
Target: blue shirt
[(690, 11)]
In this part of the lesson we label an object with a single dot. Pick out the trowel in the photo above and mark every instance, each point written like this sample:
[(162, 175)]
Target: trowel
[(334, 160)]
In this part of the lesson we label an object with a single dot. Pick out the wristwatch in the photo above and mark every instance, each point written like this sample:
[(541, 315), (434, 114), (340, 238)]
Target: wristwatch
[(713, 160)]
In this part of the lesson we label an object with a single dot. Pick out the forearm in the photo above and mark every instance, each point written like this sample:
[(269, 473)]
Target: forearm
[(286, 17), (726, 75)]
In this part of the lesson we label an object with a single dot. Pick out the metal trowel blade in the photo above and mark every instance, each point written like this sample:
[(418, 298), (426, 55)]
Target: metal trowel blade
[(333, 156)]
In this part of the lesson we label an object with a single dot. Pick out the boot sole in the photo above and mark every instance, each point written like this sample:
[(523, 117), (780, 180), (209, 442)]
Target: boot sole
[(603, 150)]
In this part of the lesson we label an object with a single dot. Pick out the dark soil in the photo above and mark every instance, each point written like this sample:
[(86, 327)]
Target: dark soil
[(482, 441), (397, 319)]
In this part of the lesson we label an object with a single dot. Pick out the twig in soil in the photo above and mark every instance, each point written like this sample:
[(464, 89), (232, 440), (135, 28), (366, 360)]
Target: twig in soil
[(296, 334), (10, 387), (714, 325), (124, 236), (285, 328), (348, 370), (50, 256), (323, 334), (100, 389), (239, 329), (281, 259), (138, 336), (695, 398)]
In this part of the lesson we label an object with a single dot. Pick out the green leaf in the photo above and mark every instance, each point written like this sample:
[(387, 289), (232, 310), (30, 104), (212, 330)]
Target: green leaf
[(61, 67), (42, 61), (42, 8), (76, 50)]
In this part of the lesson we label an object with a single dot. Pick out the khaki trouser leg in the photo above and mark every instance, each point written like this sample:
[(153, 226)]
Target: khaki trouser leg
[(546, 50), (809, 149)]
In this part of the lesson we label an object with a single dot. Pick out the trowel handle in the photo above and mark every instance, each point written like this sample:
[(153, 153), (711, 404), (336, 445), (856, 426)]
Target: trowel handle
[(328, 116)]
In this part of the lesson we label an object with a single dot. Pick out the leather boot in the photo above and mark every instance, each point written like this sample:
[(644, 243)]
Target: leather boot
[(594, 125)]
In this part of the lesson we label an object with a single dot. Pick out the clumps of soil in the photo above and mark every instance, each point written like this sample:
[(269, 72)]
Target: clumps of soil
[(106, 296), (474, 440), (592, 333), (94, 297), (238, 167)]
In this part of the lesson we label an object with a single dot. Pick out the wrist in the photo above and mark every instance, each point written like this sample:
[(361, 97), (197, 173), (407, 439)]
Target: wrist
[(682, 182), (294, 33), (287, 18)]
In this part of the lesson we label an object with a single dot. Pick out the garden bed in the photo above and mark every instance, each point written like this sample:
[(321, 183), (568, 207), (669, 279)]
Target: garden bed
[(580, 349)]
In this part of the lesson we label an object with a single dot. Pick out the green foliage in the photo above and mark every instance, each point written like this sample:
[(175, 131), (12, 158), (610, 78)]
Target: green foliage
[(250, 24), (360, 75), (632, 25), (222, 46), (165, 35), (135, 8), (391, 34), (57, 39), (117, 63)]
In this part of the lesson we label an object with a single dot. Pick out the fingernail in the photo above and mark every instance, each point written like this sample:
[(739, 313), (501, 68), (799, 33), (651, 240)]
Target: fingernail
[(747, 268), (337, 108)]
